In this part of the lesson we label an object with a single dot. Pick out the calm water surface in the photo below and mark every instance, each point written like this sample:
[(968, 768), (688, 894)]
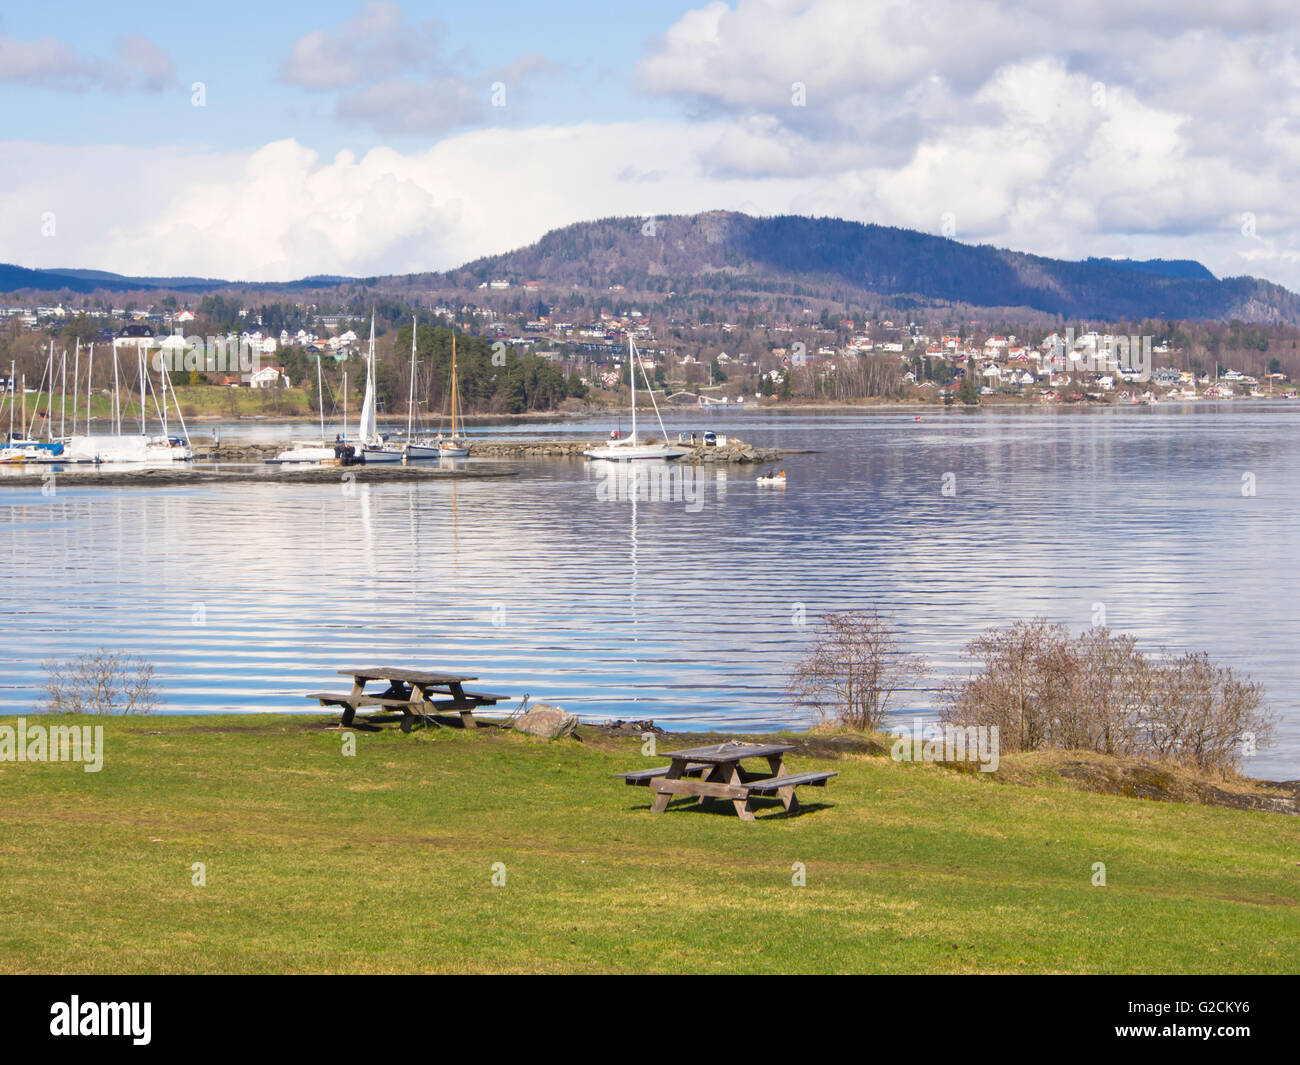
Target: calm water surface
[(684, 609)]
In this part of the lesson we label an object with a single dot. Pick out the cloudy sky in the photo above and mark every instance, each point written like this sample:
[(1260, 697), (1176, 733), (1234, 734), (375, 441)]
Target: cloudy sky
[(243, 141)]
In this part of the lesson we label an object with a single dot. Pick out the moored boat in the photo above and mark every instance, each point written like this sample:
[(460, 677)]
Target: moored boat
[(630, 448)]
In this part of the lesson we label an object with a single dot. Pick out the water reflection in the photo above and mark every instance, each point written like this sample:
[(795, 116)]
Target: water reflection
[(679, 602)]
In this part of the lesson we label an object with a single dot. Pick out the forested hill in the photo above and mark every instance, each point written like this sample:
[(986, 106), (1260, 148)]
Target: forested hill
[(776, 253), (719, 252)]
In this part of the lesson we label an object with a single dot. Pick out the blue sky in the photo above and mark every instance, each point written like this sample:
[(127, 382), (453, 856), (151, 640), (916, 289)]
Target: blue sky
[(359, 136), (236, 49)]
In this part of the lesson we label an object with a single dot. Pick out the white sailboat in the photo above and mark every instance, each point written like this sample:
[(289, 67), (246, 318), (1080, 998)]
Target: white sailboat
[(422, 449), (629, 448), (136, 448), (22, 447), (310, 450), (374, 447)]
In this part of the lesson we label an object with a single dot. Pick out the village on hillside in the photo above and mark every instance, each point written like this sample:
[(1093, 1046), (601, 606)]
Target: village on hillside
[(699, 358)]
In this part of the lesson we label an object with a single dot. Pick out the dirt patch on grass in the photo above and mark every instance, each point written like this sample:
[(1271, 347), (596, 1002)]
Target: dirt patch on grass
[(1150, 780), (279, 725)]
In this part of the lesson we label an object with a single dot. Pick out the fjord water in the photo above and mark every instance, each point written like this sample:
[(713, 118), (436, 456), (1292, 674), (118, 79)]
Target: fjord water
[(688, 609)]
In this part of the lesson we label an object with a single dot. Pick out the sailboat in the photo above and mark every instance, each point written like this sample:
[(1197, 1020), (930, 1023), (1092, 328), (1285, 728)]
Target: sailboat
[(374, 447), (310, 450), (143, 447), (22, 447), (454, 446), (93, 448), (19, 447), (630, 448), (421, 450)]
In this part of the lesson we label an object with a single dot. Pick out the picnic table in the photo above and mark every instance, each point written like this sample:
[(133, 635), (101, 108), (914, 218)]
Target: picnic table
[(716, 773), (416, 695)]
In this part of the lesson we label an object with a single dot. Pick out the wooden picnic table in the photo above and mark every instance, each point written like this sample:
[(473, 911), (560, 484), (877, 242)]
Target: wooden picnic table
[(716, 773), (416, 695)]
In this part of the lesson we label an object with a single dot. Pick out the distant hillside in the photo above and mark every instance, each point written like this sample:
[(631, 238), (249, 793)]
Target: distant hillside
[(725, 253), (771, 254), (1187, 268), (20, 278)]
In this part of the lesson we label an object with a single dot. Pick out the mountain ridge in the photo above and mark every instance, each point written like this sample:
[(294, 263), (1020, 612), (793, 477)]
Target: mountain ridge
[(798, 255), (881, 260)]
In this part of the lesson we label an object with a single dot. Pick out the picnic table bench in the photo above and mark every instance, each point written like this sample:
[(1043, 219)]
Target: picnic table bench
[(416, 694), (716, 773)]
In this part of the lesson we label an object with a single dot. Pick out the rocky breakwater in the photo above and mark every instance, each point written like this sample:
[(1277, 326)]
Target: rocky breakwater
[(207, 451), (734, 451), (737, 451)]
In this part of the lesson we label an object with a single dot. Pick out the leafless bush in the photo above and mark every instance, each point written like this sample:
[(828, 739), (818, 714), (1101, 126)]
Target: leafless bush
[(1099, 692), (104, 682), (1198, 713), (854, 667)]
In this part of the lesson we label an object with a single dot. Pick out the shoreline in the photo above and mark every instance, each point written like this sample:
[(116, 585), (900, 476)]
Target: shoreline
[(1084, 770), (872, 405), (248, 463)]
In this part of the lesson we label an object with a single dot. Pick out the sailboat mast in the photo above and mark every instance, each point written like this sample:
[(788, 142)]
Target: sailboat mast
[(320, 399), (410, 396), (370, 357), (90, 378), (631, 358), (49, 397), (455, 396), (76, 383)]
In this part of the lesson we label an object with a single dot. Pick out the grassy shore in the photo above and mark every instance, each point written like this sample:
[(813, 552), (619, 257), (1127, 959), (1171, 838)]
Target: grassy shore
[(383, 862)]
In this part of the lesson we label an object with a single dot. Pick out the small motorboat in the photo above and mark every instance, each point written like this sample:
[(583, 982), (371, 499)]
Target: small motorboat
[(771, 480)]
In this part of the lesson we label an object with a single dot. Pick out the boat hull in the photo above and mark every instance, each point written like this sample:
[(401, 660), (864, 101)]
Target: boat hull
[(117, 449), (375, 455), (635, 452), (304, 453)]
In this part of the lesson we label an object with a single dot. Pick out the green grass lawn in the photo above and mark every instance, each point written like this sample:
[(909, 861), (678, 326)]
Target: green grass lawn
[(383, 862)]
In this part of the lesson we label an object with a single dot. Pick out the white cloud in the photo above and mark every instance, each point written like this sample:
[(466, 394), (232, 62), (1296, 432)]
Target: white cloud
[(1049, 128), (136, 65), (283, 212), (139, 65), (392, 76), (375, 41), (46, 64)]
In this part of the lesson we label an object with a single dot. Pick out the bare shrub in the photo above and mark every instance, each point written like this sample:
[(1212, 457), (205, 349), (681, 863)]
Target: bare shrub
[(854, 667), (1099, 692), (1019, 689), (1198, 713), (103, 682)]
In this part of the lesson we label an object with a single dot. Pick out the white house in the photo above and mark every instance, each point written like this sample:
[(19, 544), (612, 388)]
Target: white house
[(268, 377)]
